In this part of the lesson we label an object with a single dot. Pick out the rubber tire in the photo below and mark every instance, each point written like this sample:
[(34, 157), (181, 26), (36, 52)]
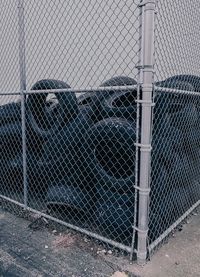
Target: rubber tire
[(170, 101), (126, 105), (117, 133), (10, 113), (59, 155), (182, 111), (11, 142), (102, 101), (185, 82), (86, 99), (166, 206), (115, 81), (192, 80), (160, 209), (11, 176), (64, 193), (11, 149), (102, 106), (177, 165), (192, 141), (66, 110), (114, 214), (170, 150), (170, 188), (11, 158)]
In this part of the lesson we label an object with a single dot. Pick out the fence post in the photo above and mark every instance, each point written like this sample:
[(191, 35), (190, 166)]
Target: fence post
[(139, 82), (22, 68), (146, 102)]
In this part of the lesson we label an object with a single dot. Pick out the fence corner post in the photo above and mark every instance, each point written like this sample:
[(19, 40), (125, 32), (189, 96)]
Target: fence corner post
[(22, 70), (146, 104)]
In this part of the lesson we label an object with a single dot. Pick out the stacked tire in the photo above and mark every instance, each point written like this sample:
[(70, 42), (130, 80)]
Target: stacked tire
[(175, 155), (107, 156)]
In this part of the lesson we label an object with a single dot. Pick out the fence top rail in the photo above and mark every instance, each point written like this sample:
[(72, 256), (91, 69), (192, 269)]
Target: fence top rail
[(82, 90), (175, 91), (76, 90), (100, 89)]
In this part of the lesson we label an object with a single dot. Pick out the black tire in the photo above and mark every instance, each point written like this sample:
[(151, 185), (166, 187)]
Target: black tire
[(11, 141), (114, 214), (170, 151), (180, 111), (113, 82), (11, 175), (192, 141), (184, 109), (167, 205), (172, 102), (65, 194), (163, 204), (11, 149), (59, 156), (56, 159), (170, 188), (10, 113), (115, 103), (178, 168), (45, 121), (108, 155), (11, 156), (121, 104), (189, 82), (86, 99)]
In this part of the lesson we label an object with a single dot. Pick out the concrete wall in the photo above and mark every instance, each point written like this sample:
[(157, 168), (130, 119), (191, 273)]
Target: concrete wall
[(86, 42), (81, 42)]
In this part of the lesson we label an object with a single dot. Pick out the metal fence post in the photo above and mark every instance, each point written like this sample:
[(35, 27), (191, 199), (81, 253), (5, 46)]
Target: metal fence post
[(147, 64), (139, 81), (22, 68)]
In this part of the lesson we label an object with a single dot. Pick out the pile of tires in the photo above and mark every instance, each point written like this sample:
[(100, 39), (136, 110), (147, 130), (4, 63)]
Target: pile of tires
[(176, 152), (80, 152), (103, 172)]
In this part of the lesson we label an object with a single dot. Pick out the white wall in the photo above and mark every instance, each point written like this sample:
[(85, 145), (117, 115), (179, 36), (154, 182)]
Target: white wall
[(9, 54), (87, 42), (81, 42), (177, 38)]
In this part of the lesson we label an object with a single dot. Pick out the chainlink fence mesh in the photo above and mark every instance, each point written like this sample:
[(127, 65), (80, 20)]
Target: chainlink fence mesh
[(68, 137), (175, 189), (70, 153), (84, 43), (9, 48), (175, 159)]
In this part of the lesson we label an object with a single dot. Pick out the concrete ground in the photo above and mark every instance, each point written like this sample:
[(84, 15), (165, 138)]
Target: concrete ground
[(31, 249)]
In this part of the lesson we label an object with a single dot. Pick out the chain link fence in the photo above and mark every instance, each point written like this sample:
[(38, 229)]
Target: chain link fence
[(68, 145), (77, 97), (175, 140)]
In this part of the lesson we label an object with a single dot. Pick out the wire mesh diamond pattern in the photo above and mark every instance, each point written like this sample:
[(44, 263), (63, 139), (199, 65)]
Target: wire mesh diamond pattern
[(70, 119)]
